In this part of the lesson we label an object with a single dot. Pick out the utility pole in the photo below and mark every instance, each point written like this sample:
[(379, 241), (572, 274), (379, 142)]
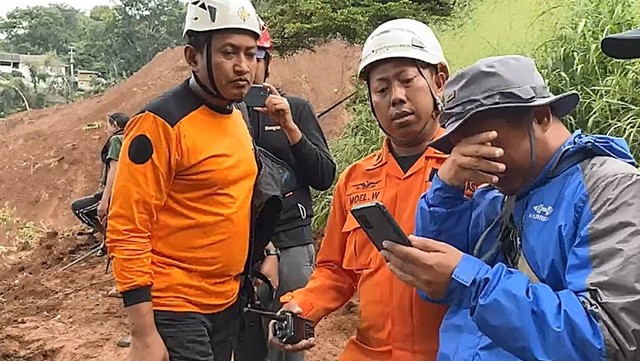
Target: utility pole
[(72, 69)]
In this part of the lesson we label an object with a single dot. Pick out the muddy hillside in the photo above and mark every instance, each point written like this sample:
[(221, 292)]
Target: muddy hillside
[(49, 157)]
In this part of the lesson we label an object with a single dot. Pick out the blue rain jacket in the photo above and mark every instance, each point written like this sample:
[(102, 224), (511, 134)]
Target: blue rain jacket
[(575, 293)]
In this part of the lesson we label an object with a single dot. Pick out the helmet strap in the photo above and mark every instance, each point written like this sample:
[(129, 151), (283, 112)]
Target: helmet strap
[(267, 61), (373, 111), (215, 92), (436, 100)]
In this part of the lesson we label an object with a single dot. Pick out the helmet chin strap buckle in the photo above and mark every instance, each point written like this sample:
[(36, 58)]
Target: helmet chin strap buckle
[(439, 104)]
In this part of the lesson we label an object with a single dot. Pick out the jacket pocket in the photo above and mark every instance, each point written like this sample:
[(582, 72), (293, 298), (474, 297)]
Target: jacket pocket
[(359, 252)]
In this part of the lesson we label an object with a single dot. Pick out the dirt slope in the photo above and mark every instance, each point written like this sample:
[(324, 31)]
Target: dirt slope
[(47, 159), (65, 316)]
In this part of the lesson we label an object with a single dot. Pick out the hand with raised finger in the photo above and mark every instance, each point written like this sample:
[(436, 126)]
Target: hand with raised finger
[(301, 346), (278, 108), (428, 265), (473, 159)]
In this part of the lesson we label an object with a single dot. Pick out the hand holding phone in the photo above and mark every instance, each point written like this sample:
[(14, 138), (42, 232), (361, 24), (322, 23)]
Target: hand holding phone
[(278, 109), (379, 224)]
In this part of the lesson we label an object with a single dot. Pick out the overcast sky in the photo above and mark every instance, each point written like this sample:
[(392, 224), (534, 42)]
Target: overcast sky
[(8, 5)]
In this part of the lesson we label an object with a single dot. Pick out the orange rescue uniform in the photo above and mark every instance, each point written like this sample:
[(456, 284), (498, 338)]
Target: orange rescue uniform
[(179, 218), (395, 324)]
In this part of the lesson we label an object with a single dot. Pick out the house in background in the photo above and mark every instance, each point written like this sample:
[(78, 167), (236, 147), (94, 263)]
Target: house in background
[(21, 65), (10, 65), (86, 79), (48, 69)]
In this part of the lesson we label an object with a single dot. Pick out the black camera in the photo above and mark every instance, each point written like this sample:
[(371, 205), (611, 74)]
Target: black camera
[(289, 328)]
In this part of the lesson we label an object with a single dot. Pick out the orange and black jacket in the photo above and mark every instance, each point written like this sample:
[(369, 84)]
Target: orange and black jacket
[(183, 205), (395, 324)]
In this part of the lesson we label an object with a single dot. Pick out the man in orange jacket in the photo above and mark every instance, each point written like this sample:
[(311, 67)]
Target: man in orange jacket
[(405, 70)]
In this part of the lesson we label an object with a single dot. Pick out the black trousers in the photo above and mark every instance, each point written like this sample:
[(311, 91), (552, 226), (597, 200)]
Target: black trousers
[(199, 337), (86, 210), (252, 340)]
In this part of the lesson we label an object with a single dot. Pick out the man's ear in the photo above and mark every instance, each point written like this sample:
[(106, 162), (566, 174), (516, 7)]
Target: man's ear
[(542, 117), (191, 56), (438, 80)]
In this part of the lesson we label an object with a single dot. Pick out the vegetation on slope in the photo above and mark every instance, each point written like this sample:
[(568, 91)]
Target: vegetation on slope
[(139, 29), (564, 38), (610, 89)]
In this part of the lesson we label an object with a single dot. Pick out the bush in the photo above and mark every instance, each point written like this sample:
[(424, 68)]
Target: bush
[(610, 89), (564, 38)]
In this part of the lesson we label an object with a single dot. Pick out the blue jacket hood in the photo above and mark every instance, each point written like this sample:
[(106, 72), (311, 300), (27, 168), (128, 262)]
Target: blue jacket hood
[(582, 146)]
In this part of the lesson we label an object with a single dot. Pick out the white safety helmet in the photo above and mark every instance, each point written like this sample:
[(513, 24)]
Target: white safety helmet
[(209, 15), (401, 38)]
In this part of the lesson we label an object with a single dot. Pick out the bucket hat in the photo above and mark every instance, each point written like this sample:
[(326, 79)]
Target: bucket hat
[(510, 81)]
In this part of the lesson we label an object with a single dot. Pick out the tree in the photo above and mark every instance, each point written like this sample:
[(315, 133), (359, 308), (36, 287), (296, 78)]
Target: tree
[(41, 29), (303, 24), (98, 52), (144, 28)]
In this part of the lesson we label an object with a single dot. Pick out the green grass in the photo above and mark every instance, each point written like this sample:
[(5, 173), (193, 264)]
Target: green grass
[(486, 28), (610, 89), (563, 36), (361, 136), (501, 27)]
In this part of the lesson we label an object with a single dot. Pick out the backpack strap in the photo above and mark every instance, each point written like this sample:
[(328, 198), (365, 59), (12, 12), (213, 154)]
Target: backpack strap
[(242, 107)]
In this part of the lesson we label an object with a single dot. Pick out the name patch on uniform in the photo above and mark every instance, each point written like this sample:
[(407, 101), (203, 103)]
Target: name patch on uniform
[(272, 128), (365, 191), (364, 197)]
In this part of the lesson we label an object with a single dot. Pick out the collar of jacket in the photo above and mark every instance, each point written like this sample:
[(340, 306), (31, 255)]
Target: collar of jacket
[(577, 148), (382, 156)]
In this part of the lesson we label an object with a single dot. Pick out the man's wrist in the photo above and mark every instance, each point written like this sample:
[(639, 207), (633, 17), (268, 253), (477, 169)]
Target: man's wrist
[(141, 319), (272, 252), (292, 132), (448, 179), (465, 285)]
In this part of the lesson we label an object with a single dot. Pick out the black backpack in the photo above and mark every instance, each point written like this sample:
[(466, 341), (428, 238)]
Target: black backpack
[(273, 181), (288, 175)]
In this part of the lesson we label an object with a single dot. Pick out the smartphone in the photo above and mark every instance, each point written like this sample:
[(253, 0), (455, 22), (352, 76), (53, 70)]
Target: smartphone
[(379, 224), (257, 96)]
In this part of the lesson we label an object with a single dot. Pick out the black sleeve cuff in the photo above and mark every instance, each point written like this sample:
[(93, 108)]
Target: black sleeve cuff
[(136, 295), (303, 148)]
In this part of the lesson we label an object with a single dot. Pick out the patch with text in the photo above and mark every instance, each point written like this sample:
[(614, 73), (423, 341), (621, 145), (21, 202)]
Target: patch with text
[(365, 197), (469, 189)]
